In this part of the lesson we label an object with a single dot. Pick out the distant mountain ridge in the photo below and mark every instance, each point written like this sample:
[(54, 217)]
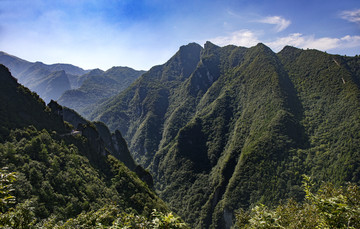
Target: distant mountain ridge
[(72, 86), (223, 128), (37, 76), (97, 86)]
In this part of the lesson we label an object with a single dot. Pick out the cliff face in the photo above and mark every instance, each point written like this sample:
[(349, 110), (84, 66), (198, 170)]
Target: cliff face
[(100, 139)]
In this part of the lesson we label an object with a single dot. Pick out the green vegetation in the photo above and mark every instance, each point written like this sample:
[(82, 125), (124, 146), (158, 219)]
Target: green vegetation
[(109, 216), (19, 107), (220, 129), (223, 128), (59, 179), (54, 179), (329, 207)]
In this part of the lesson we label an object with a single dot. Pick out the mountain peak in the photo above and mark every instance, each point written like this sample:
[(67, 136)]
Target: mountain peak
[(190, 49), (290, 52), (190, 45), (185, 60), (288, 49), (263, 47), (209, 45)]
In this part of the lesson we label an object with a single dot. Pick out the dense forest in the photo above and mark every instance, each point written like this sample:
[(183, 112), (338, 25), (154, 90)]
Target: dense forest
[(51, 178), (226, 128), (227, 137)]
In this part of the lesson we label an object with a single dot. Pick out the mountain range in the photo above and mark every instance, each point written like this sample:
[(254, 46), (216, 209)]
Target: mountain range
[(49, 81), (70, 85), (98, 86), (222, 129), (64, 178)]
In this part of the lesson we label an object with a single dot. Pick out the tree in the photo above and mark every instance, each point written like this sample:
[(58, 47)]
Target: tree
[(329, 207), (6, 181)]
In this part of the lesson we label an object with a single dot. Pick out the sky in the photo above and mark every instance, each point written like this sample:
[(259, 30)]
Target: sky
[(143, 33)]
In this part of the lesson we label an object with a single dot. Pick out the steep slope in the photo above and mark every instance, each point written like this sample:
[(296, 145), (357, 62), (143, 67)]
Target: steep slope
[(97, 86), (60, 175), (37, 76), (225, 128), (243, 118), (328, 88), (114, 143), (140, 110), (19, 107)]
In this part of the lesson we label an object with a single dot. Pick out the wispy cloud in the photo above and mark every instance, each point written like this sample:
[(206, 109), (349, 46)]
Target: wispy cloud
[(243, 37), (351, 15), (280, 22), (324, 43), (248, 38)]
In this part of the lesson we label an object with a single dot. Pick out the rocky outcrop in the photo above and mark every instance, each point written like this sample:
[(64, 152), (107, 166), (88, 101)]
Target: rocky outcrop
[(96, 142), (101, 140), (56, 108), (72, 117)]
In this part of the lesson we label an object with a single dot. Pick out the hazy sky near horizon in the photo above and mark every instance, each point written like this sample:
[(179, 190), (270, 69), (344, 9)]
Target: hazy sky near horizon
[(143, 33)]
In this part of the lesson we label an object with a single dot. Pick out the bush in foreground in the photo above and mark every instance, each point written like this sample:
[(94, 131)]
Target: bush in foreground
[(328, 207)]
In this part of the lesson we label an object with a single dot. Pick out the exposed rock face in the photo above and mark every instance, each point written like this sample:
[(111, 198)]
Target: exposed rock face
[(96, 142), (72, 117), (56, 108), (121, 150), (101, 140)]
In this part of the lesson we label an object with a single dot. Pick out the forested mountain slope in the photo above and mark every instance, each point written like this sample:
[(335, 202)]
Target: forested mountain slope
[(97, 86), (223, 128), (62, 178)]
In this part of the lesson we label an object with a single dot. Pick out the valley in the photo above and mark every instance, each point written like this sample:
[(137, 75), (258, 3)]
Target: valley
[(213, 130)]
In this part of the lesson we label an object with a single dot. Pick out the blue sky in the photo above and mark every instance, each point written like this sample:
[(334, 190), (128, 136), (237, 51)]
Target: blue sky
[(144, 33)]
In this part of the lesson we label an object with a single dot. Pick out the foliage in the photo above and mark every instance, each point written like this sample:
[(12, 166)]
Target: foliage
[(60, 182), (223, 128), (59, 177), (6, 182), (157, 220), (19, 107), (110, 216), (329, 207)]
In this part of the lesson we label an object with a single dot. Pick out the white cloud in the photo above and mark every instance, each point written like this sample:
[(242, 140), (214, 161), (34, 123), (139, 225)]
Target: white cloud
[(248, 38), (323, 43), (280, 22), (351, 15), (244, 37)]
